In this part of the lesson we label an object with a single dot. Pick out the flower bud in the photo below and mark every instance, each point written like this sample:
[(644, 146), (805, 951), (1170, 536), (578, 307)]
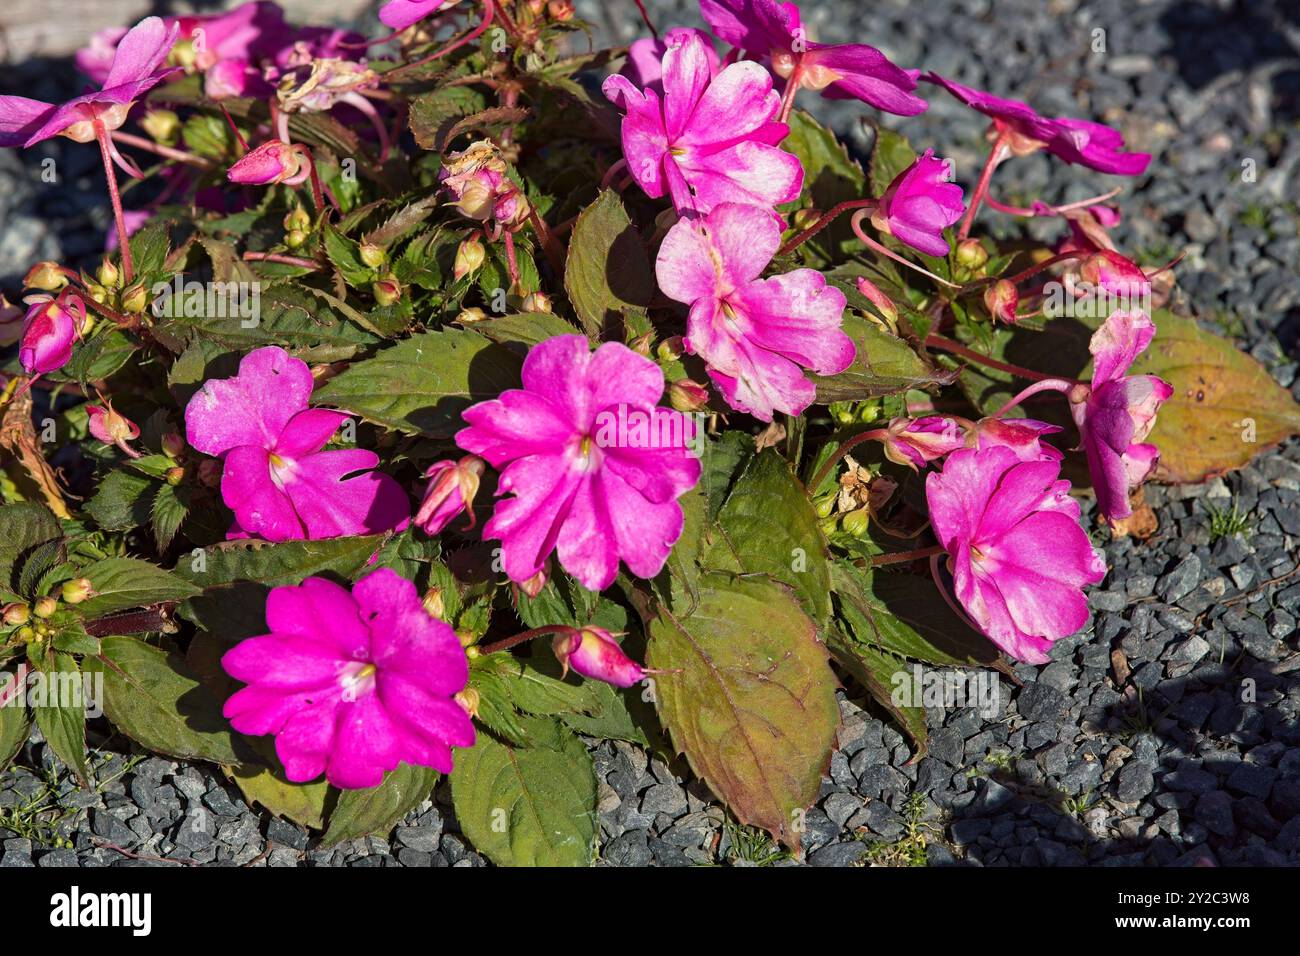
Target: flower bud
[(686, 395), (971, 254), (468, 700), (470, 316), (915, 442), (17, 614), (174, 476), (534, 585), (295, 238), (433, 603), (173, 445), (387, 290), (107, 274), (467, 640), (451, 490), (26, 633), (372, 255), (884, 303), (805, 219), (272, 162), (670, 349), (45, 606), (1001, 299), (641, 344), (856, 523), (297, 219), (469, 258), (536, 302), (49, 329), (74, 592), (593, 652), (112, 428), (162, 125), (135, 299), (560, 10), (47, 276)]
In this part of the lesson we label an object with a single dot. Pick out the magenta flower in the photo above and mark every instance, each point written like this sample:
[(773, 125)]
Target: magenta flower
[(593, 466), (272, 162), (351, 684), (137, 67), (919, 205), (915, 442), (840, 71), (1018, 556), (645, 66), (451, 490), (1022, 435), (706, 139), (1115, 275), (49, 329), (134, 220), (400, 14), (275, 478), (754, 334), (1117, 413), (1075, 141), (593, 652)]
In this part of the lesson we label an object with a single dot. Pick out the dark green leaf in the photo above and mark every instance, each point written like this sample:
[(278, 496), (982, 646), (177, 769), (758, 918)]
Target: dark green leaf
[(378, 809), (607, 271)]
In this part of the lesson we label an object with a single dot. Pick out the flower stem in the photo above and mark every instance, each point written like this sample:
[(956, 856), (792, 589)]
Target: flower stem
[(787, 98), (646, 17), (1054, 210), (1062, 385), (948, 345), (508, 642), (826, 219), (298, 261), (489, 11), (870, 243), (123, 238), (996, 155), (512, 264), (167, 152), (899, 557)]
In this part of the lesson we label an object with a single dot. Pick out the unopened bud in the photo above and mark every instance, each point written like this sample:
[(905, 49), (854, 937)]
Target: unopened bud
[(295, 238), (45, 606), (173, 445), (174, 476), (74, 592), (17, 614), (135, 299), (46, 276), (855, 523), (686, 395), (593, 652), (641, 344), (560, 10), (469, 258), (670, 349), (298, 219), (536, 302), (1001, 299), (387, 290), (162, 125), (372, 255), (433, 603), (882, 302), (468, 700), (805, 219), (107, 274), (971, 253), (470, 316)]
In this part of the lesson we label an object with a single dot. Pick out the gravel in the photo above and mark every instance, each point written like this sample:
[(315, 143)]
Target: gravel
[(1166, 733)]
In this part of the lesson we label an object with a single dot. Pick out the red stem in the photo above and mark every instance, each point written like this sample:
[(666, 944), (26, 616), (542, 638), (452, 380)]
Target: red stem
[(899, 557), (826, 219), (990, 164), (646, 17), (123, 239), (508, 642), (948, 345), (489, 11), (167, 152), (876, 434)]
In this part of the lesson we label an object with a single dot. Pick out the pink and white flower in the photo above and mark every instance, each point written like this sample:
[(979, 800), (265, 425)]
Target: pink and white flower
[(593, 652)]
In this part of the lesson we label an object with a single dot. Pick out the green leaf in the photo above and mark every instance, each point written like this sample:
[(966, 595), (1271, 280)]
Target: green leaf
[(432, 112), (421, 385), (15, 727), (60, 711), (876, 670), (303, 803), (746, 692), (768, 526), (884, 365), (905, 614), (98, 357), (170, 507), (149, 247), (720, 464), (607, 271), (890, 155), (377, 810), (345, 256), (120, 583), (1226, 407), (152, 697), (123, 501), (525, 328), (830, 175), (527, 806), (23, 528)]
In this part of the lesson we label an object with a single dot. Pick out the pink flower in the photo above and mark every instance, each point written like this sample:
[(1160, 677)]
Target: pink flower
[(451, 490), (351, 684), (645, 66), (915, 442), (1075, 141), (1117, 413), (275, 477), (49, 329), (272, 162), (706, 139), (754, 333), (1018, 556), (113, 428), (400, 14), (137, 67), (593, 652), (840, 71), (133, 219), (1115, 275), (1022, 435), (919, 205), (584, 480)]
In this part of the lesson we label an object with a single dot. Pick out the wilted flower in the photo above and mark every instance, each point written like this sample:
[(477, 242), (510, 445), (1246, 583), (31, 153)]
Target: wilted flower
[(328, 81), (351, 684), (477, 180), (1002, 299), (276, 478), (113, 428), (919, 205), (1018, 556), (451, 490), (593, 652), (706, 140), (574, 490), (755, 334)]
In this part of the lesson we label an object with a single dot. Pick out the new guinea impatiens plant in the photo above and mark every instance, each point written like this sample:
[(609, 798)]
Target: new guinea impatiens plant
[(449, 399)]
